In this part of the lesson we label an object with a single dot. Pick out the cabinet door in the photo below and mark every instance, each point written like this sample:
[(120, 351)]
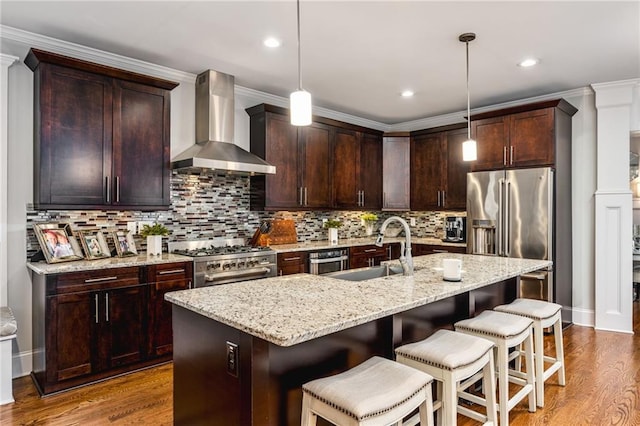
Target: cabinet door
[(346, 168), (427, 163), (75, 132), (492, 137), (456, 171), (370, 171), (124, 325), (281, 189), (316, 157), (164, 278), (395, 173), (293, 263), (531, 136), (141, 162), (71, 335)]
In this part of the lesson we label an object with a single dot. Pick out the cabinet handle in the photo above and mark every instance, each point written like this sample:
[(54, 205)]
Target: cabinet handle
[(504, 155), (444, 203), (173, 271), (370, 250), (306, 199), (117, 179), (389, 252), (511, 150), (289, 259), (106, 308), (97, 280), (108, 187), (280, 272), (190, 285), (359, 198), (362, 198), (440, 251), (438, 198), (96, 304), (300, 197), (384, 199)]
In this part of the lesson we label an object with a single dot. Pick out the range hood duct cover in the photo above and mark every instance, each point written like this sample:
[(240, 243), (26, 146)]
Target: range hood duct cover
[(214, 148)]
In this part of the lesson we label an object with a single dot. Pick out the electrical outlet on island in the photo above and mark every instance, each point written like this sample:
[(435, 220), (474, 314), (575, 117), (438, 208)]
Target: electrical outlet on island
[(412, 221)]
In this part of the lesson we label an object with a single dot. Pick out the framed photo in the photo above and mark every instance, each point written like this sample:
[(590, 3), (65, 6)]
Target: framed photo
[(125, 245), (94, 244), (57, 242)]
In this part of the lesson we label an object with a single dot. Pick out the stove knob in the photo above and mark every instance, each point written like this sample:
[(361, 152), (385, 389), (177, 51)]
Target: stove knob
[(226, 266), (216, 265), (241, 265)]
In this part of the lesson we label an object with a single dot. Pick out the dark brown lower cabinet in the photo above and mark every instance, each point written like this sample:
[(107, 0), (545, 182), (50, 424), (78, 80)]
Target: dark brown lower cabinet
[(91, 325), (295, 262), (422, 249)]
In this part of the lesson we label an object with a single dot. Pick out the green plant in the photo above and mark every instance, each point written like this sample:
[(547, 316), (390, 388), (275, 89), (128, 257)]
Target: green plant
[(332, 223), (155, 229), (369, 217)]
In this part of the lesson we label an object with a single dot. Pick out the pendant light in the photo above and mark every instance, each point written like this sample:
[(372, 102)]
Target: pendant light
[(300, 100), (469, 147)]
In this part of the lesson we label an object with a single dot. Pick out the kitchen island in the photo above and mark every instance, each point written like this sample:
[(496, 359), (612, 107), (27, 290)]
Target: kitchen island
[(242, 351)]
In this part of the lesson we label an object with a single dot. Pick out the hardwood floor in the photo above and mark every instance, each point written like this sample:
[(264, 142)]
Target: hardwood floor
[(603, 381)]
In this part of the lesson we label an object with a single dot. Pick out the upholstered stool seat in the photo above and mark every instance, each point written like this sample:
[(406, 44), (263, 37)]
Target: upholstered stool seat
[(544, 314), (506, 331), (451, 358), (376, 392)]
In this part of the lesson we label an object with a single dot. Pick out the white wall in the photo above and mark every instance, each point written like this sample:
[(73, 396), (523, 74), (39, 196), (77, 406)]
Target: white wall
[(183, 134)]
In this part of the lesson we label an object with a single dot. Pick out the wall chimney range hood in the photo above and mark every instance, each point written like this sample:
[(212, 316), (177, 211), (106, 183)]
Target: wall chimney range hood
[(214, 148)]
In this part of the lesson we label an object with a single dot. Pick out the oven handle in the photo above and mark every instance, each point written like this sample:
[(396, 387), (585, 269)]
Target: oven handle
[(328, 260), (245, 273)]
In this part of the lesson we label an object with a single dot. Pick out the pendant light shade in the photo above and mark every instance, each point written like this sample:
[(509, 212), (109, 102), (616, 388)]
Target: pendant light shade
[(469, 147), (300, 100)]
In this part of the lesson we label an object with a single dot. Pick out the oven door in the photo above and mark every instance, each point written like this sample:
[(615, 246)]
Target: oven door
[(326, 262)]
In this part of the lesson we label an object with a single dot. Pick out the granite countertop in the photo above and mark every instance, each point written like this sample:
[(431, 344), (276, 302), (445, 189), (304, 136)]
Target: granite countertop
[(296, 308), (111, 262), (350, 242)]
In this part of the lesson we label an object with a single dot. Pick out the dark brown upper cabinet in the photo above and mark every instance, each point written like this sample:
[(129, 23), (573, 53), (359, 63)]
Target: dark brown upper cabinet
[(522, 136), (438, 174), (357, 170), (317, 166), (101, 136)]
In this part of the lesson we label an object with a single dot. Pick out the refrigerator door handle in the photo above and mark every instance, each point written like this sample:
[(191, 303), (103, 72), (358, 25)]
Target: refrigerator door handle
[(500, 226), (507, 216)]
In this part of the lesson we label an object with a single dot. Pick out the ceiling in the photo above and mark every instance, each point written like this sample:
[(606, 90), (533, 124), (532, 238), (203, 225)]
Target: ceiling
[(358, 56)]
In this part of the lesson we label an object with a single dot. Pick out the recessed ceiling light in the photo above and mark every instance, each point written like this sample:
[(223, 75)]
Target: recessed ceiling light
[(272, 42), (407, 94), (529, 62)]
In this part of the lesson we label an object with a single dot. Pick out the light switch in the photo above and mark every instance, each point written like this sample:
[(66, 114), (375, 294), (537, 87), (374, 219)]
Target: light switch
[(412, 221)]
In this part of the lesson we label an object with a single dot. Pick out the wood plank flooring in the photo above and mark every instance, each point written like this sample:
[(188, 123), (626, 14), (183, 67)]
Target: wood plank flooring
[(603, 381)]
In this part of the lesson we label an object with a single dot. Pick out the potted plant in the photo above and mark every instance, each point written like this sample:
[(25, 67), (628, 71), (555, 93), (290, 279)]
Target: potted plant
[(154, 234), (332, 225), (368, 220)]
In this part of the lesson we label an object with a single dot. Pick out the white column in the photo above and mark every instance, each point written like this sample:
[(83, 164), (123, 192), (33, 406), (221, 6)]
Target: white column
[(613, 237), (5, 62)]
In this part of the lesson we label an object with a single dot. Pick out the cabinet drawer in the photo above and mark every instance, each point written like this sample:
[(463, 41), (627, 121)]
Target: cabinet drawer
[(170, 271), (422, 249), (293, 262), (370, 250), (93, 280)]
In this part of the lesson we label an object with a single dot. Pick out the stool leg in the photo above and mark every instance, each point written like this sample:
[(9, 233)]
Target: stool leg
[(528, 353), (426, 409), (503, 382), (518, 360), (308, 417), (538, 348), (557, 332), (489, 380), (449, 408), (439, 396)]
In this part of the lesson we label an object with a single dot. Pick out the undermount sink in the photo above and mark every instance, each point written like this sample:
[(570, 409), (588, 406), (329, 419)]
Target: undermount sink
[(363, 274)]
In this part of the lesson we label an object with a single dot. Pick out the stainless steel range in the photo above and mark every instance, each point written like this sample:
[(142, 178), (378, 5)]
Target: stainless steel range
[(223, 261)]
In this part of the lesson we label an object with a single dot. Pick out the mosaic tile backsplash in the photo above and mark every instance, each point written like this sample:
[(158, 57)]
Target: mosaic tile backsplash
[(211, 205)]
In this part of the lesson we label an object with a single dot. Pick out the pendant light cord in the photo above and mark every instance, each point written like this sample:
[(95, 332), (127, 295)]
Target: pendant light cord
[(299, 60), (468, 98)]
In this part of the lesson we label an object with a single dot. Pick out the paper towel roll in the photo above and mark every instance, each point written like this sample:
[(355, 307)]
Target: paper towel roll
[(452, 269)]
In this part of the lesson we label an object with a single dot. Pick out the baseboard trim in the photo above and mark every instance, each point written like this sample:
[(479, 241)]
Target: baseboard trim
[(22, 364), (584, 317)]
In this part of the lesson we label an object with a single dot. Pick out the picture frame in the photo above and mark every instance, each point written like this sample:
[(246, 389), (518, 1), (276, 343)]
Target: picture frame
[(125, 244), (57, 242), (94, 244)]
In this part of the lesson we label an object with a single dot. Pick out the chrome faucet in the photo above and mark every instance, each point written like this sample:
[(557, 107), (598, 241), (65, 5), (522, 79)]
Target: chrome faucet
[(406, 261)]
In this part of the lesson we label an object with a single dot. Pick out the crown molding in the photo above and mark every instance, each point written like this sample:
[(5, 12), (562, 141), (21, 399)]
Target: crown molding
[(7, 60), (62, 47)]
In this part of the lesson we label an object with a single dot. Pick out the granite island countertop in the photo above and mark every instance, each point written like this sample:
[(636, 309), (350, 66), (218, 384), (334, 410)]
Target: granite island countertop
[(351, 242), (110, 262), (296, 308)]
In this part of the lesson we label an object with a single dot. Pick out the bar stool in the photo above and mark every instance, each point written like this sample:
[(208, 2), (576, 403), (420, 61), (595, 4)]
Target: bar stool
[(506, 331), (376, 392), (452, 358), (544, 314)]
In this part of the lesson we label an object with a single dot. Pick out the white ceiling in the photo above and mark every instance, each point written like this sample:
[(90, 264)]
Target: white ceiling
[(357, 56)]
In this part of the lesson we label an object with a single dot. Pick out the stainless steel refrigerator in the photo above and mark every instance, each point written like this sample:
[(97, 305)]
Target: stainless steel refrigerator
[(511, 213)]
